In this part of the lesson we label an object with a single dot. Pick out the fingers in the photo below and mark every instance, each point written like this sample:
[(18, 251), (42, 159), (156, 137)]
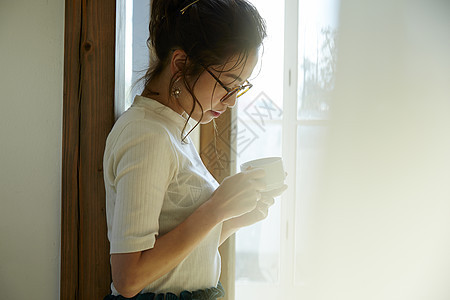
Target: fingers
[(258, 185), (264, 205), (254, 173), (268, 201), (258, 196), (276, 192), (254, 176), (264, 211), (251, 199)]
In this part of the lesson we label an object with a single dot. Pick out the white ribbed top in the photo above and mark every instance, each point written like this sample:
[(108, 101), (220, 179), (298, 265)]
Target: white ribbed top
[(153, 183)]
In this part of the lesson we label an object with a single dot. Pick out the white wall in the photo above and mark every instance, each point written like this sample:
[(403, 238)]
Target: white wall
[(31, 92)]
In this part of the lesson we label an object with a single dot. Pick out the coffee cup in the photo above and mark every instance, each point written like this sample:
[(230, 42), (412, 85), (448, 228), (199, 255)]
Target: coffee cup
[(273, 166)]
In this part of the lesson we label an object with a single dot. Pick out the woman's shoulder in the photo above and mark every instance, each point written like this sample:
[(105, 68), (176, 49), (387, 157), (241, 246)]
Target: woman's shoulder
[(135, 122), (133, 127)]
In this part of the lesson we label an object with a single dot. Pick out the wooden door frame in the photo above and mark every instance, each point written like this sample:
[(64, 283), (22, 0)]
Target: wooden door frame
[(88, 116)]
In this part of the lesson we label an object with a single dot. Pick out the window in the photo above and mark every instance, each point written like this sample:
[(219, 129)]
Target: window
[(285, 114), (132, 54)]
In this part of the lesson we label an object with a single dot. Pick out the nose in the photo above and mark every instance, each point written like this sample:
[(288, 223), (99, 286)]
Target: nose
[(230, 101)]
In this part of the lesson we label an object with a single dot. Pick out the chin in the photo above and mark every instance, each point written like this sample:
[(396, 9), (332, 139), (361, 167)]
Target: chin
[(206, 120)]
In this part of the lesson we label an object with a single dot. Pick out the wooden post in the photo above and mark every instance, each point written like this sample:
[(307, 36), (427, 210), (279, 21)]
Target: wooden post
[(88, 116)]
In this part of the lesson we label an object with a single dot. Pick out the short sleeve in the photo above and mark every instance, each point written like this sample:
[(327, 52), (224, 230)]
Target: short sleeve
[(143, 165)]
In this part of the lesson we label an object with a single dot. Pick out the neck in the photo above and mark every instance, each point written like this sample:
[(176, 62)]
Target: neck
[(158, 90)]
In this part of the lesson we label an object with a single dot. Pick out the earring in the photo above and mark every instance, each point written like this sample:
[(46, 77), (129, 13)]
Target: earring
[(176, 91)]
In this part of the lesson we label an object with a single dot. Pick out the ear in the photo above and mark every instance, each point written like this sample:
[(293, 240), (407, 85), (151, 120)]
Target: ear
[(178, 61)]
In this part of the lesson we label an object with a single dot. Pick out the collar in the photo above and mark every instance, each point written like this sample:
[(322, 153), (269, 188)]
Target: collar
[(172, 116)]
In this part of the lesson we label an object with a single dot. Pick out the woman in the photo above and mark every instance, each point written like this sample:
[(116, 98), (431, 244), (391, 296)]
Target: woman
[(166, 214)]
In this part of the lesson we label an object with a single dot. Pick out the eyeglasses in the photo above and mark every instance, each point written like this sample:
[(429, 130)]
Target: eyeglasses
[(239, 90)]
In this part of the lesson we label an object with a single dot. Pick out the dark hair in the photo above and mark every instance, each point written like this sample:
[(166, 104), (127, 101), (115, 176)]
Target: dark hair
[(209, 31)]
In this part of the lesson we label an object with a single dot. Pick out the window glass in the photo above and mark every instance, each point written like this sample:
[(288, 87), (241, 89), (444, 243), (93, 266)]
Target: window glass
[(318, 21), (269, 255), (259, 134)]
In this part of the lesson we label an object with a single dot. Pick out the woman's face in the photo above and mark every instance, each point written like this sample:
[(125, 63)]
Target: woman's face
[(209, 92)]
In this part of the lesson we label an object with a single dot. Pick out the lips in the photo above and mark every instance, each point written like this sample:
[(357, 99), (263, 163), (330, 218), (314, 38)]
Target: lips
[(216, 113)]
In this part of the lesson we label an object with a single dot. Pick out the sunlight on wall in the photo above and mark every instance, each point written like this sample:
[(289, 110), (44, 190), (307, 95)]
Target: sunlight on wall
[(379, 227)]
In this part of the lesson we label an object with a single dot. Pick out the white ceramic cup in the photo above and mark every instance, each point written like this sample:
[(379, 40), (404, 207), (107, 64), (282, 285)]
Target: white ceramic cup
[(273, 166)]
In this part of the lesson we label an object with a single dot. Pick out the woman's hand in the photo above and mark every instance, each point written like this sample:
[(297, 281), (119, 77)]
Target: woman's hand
[(238, 194), (260, 212)]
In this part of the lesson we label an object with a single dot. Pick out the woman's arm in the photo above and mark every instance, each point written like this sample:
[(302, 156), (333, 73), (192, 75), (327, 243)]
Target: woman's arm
[(131, 272), (236, 196)]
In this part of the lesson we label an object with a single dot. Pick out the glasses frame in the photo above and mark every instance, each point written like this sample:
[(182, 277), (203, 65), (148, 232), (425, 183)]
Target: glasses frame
[(239, 90)]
